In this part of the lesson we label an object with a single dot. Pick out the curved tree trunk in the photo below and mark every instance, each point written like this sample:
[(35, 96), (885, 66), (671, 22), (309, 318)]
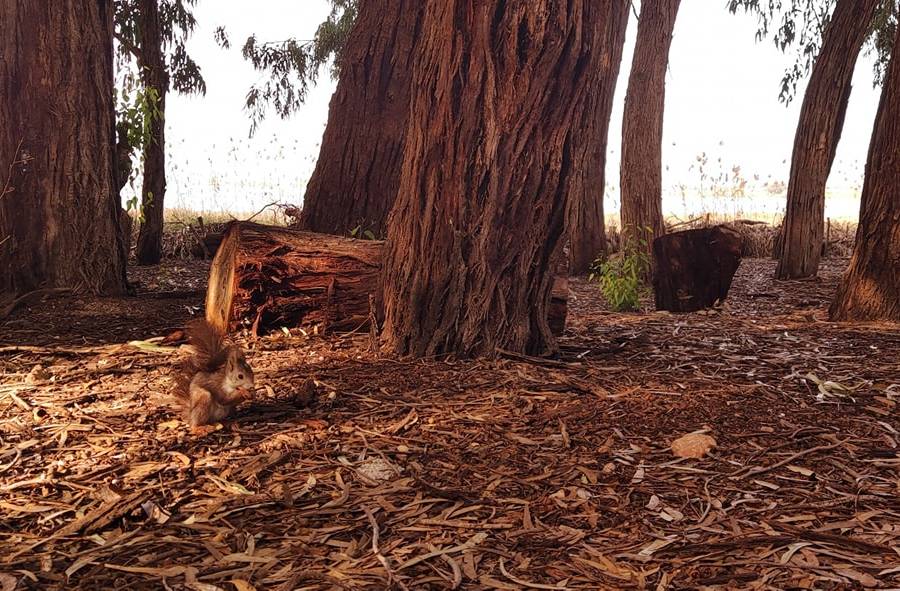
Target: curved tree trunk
[(818, 133), (586, 224), (153, 75), (642, 123), (870, 290), (498, 88), (59, 218), (355, 181)]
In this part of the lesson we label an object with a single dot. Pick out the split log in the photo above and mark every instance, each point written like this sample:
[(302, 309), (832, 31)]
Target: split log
[(267, 277), (694, 268)]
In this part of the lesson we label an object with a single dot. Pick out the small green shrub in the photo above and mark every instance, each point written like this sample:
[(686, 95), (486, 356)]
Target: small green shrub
[(621, 277), (358, 232)]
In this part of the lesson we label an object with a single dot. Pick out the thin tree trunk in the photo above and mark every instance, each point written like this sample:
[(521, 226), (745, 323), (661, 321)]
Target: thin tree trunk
[(356, 177), (59, 218), (818, 133), (870, 290), (586, 224), (498, 87), (153, 75), (642, 123)]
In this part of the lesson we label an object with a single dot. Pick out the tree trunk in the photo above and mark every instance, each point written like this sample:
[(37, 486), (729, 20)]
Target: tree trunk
[(59, 217), (694, 268), (818, 133), (642, 124), (268, 277), (355, 181), (123, 168), (153, 75), (498, 88), (870, 290), (586, 224)]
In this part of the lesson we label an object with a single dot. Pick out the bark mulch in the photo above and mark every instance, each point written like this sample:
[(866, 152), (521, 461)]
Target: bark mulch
[(353, 470)]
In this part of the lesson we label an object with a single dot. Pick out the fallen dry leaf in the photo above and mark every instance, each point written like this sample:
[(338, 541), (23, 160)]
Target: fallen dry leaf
[(693, 445)]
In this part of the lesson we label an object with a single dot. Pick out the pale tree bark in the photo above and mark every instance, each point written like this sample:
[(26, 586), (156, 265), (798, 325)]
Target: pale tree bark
[(870, 290), (818, 133), (356, 176), (155, 76), (498, 88), (59, 216), (642, 123), (586, 223)]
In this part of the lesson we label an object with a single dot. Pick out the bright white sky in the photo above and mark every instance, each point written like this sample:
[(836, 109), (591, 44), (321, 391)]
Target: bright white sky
[(722, 99)]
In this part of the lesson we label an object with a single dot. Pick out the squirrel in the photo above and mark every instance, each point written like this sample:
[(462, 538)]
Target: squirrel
[(212, 381)]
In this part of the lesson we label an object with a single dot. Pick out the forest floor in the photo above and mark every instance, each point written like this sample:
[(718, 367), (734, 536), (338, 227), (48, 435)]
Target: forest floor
[(491, 474)]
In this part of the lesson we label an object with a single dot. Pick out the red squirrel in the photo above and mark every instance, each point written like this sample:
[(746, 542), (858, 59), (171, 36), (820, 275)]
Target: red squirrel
[(214, 380)]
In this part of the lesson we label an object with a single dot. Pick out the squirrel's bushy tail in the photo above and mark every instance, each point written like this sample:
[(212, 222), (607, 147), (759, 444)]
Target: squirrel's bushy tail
[(209, 355), (208, 343)]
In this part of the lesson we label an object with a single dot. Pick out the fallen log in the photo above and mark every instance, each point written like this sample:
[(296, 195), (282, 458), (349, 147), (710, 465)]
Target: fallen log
[(267, 277), (693, 269)]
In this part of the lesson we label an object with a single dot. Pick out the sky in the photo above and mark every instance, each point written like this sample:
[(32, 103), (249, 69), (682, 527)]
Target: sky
[(721, 99)]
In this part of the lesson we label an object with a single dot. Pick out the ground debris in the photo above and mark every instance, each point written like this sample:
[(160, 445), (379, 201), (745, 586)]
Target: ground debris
[(353, 470)]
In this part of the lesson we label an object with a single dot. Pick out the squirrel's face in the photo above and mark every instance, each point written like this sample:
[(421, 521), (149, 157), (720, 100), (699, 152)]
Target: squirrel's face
[(238, 373)]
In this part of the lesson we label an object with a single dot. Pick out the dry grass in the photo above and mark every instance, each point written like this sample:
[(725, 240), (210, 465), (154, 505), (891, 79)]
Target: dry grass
[(759, 237)]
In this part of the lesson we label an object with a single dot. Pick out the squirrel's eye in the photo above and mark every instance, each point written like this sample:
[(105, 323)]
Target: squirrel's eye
[(240, 376)]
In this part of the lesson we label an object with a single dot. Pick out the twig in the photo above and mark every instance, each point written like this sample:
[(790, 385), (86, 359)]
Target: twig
[(377, 552), (373, 325), (534, 360), (526, 583), (788, 460), (265, 207)]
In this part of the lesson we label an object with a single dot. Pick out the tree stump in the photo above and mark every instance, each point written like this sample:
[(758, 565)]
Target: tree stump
[(694, 268), (267, 277)]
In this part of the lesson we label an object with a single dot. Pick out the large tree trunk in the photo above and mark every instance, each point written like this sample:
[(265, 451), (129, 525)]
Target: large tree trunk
[(153, 75), (818, 132), (870, 290), (498, 87), (586, 224), (642, 123), (59, 218), (355, 181)]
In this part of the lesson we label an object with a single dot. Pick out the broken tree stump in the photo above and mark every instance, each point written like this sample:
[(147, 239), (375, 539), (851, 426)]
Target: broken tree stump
[(269, 277), (693, 269)]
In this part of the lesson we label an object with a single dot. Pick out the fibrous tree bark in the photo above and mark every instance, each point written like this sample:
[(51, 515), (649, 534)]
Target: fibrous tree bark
[(870, 290), (818, 132), (59, 216), (268, 277), (586, 225), (497, 88), (642, 123), (153, 76), (355, 181)]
